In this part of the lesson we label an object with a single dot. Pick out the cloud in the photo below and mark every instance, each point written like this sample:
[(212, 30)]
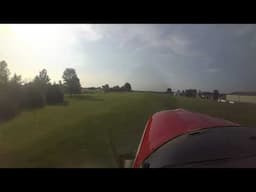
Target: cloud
[(87, 32), (163, 39), (184, 55)]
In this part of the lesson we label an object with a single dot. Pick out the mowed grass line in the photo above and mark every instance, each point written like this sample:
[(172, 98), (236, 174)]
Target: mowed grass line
[(84, 133)]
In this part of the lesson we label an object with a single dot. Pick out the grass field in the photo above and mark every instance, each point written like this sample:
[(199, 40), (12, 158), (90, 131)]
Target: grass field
[(93, 130)]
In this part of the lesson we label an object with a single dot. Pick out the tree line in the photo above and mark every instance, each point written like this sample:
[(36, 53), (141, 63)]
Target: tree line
[(16, 94), (126, 87)]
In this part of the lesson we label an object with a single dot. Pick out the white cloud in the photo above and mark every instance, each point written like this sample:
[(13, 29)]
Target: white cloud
[(88, 32)]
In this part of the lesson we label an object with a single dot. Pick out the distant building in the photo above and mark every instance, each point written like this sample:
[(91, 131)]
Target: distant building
[(206, 95), (177, 93)]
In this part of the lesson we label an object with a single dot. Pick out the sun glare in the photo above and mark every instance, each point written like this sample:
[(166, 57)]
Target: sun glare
[(42, 36)]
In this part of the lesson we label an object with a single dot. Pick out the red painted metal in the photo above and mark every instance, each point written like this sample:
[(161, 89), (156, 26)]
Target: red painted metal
[(166, 125)]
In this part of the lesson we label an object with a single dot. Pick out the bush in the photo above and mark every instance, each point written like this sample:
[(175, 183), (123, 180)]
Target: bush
[(33, 97), (10, 103), (54, 94)]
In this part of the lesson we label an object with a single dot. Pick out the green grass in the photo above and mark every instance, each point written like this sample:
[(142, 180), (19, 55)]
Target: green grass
[(88, 132), (243, 113), (93, 130)]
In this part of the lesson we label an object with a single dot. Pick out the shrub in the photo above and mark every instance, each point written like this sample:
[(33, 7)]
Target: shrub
[(54, 94), (10, 103), (33, 97)]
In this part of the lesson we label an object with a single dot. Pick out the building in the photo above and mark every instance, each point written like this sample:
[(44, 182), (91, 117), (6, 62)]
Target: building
[(206, 95)]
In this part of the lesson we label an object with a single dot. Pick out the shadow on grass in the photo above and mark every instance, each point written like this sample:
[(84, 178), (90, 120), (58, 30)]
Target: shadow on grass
[(85, 97), (5, 119), (8, 117)]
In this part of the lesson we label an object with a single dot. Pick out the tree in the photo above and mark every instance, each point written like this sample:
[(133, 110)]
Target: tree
[(42, 80), (71, 81), (43, 77), (216, 94), (127, 86), (115, 88), (15, 90), (169, 90), (33, 96), (54, 94), (16, 80), (9, 95), (4, 73), (105, 87), (190, 92), (40, 84)]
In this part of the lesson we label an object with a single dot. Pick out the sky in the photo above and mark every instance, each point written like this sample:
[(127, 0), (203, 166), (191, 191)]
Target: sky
[(149, 56)]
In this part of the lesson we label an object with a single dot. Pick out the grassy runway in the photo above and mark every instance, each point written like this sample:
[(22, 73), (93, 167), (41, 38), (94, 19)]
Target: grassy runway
[(93, 130)]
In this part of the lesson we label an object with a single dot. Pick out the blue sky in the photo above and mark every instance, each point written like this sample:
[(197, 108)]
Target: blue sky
[(150, 57)]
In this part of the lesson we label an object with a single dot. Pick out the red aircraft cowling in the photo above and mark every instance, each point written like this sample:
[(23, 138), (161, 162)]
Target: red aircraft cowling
[(166, 125)]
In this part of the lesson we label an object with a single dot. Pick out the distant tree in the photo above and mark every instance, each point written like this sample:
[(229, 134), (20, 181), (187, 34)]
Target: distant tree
[(115, 88), (42, 81), (4, 73), (169, 91), (105, 87), (16, 79), (71, 81), (43, 77), (216, 94), (40, 84), (15, 90), (127, 87), (190, 93)]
